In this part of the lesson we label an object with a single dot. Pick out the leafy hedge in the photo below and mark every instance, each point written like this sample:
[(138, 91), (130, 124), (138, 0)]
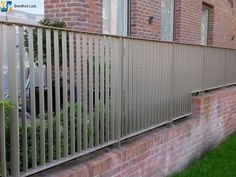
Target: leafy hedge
[(29, 135)]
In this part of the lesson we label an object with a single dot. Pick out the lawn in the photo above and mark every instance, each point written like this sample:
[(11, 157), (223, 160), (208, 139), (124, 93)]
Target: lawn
[(220, 162)]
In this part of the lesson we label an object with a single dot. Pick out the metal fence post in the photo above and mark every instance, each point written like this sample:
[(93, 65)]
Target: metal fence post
[(204, 68), (119, 91), (172, 84), (225, 74), (13, 96), (2, 117), (23, 101)]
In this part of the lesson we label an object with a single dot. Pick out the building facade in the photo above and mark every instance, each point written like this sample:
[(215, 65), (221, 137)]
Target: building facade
[(208, 22)]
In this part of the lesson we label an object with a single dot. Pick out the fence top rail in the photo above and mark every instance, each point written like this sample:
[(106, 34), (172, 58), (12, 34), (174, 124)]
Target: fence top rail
[(106, 35)]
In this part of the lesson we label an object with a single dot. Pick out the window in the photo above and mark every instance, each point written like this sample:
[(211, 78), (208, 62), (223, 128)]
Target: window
[(167, 20), (115, 17), (204, 25)]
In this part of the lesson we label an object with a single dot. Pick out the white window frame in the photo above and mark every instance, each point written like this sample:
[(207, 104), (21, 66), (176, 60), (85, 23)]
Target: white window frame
[(167, 20), (115, 17), (204, 25)]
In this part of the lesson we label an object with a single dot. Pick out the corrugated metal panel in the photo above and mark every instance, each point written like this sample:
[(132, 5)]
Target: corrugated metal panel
[(231, 67), (147, 85), (188, 75), (214, 69)]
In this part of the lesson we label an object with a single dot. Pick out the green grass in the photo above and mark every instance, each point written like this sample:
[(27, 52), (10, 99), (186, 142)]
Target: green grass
[(220, 162)]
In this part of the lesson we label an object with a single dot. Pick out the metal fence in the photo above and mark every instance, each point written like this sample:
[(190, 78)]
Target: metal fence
[(93, 91)]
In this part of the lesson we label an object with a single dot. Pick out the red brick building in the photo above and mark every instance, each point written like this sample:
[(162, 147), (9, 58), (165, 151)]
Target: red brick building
[(211, 22)]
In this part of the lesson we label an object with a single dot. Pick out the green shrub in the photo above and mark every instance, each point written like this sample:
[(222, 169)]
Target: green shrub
[(8, 106)]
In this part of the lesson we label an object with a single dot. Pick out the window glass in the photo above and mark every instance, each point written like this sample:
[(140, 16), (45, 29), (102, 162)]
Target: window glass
[(115, 15), (204, 25), (167, 19)]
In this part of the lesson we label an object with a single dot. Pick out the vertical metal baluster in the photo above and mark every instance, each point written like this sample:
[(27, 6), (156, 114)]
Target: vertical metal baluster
[(65, 91), (91, 91), (130, 76), (13, 97), (72, 94), (23, 101), (116, 88), (112, 122), (32, 97), (226, 61), (41, 96), (172, 82), (139, 87), (148, 89), (134, 82), (146, 70), (97, 110), (125, 89), (143, 86), (2, 116), (57, 88), (119, 87), (204, 70), (79, 113), (107, 59), (102, 75), (85, 89), (156, 84), (49, 98)]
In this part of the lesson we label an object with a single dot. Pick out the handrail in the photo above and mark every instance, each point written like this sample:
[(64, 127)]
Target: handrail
[(107, 35)]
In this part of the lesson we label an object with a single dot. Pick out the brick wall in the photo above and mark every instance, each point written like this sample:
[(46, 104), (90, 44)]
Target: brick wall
[(188, 21), (163, 150), (84, 15), (140, 11), (224, 26), (222, 22)]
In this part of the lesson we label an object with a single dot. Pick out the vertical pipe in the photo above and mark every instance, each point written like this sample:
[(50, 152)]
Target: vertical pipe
[(49, 98), (13, 97)]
